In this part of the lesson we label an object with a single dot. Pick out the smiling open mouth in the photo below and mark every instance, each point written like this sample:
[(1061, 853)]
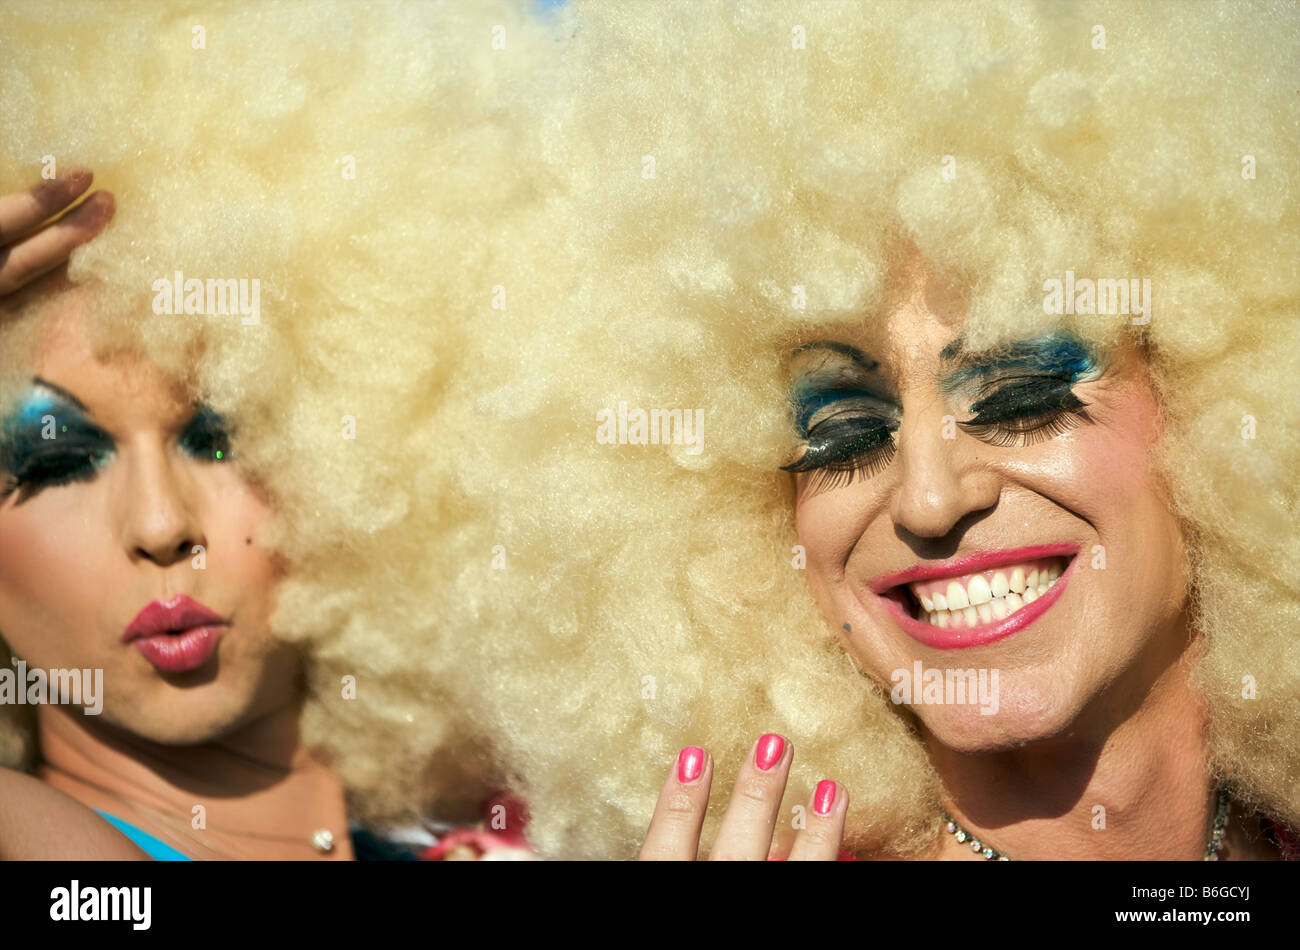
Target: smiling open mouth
[(973, 600), (977, 598)]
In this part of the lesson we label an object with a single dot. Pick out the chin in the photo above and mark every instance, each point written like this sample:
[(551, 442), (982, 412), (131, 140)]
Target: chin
[(187, 719), (1009, 719)]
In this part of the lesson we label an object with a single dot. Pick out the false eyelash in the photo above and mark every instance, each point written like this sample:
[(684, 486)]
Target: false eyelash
[(836, 459), (1025, 409), (207, 437), (50, 470), (1014, 411), (865, 464), (1025, 430)]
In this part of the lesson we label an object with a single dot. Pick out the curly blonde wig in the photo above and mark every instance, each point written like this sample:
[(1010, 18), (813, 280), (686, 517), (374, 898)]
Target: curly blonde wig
[(359, 161), (741, 178), (652, 206)]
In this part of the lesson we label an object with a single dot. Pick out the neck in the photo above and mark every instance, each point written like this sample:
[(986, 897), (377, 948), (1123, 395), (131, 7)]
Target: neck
[(1129, 780), (255, 792)]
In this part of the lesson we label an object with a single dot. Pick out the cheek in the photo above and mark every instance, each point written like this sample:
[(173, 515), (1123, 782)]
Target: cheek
[(54, 569), (242, 564), (1108, 478), (260, 671), (1107, 465), (829, 526)]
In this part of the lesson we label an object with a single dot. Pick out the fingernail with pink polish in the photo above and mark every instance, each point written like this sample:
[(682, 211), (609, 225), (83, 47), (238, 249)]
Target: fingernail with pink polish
[(769, 751), (690, 764), (824, 797)]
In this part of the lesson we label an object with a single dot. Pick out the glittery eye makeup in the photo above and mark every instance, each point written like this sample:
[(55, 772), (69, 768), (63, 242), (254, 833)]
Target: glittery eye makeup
[(1024, 393), (49, 441), (846, 415), (206, 437), (843, 412)]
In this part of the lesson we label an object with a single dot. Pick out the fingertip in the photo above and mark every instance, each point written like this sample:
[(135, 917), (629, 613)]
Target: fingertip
[(71, 183), (99, 209), (769, 750), (691, 763), (826, 796)]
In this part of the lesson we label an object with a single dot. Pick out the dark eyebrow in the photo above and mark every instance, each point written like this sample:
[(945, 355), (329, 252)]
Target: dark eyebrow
[(844, 349), (953, 349), (60, 391)]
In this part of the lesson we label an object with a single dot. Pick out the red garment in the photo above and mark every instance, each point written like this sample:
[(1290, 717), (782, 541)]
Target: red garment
[(505, 819), (1287, 840)]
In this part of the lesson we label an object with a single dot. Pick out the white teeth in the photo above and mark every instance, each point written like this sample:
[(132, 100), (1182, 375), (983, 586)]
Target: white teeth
[(1017, 582), (956, 595), (980, 600)]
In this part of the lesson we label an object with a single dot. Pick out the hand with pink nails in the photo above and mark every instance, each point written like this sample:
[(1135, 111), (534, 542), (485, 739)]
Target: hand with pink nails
[(31, 245), (747, 826)]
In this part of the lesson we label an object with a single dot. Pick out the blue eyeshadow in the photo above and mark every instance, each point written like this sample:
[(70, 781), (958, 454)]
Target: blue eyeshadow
[(30, 412), (1060, 355), (853, 376), (809, 399), (22, 435), (31, 415)]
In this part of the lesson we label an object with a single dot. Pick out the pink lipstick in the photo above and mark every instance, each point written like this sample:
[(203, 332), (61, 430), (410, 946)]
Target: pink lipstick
[(978, 598), (176, 635)]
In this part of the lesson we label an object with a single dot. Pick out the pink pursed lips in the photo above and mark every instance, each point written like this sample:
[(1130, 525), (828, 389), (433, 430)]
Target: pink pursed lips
[(176, 635)]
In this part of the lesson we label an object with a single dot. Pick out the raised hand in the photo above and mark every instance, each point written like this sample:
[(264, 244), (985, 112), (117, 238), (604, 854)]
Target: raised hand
[(747, 825), (30, 249)]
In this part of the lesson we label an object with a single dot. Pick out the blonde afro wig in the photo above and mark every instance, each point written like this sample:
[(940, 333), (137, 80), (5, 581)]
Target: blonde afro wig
[(738, 178), (359, 161)]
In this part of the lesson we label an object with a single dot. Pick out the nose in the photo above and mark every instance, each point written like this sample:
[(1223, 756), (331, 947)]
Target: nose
[(159, 514), (943, 475)]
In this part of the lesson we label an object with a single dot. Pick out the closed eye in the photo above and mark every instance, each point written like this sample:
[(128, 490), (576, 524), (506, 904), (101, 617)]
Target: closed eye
[(846, 439), (1025, 410), (206, 437)]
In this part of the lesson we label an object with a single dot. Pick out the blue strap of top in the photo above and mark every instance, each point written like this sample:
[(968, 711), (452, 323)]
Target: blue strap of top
[(158, 850)]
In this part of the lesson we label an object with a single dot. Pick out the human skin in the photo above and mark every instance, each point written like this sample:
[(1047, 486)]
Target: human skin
[(1095, 707), (78, 562), (29, 250)]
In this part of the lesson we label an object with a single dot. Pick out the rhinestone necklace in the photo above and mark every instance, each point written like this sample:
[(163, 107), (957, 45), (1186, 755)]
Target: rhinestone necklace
[(1212, 847)]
